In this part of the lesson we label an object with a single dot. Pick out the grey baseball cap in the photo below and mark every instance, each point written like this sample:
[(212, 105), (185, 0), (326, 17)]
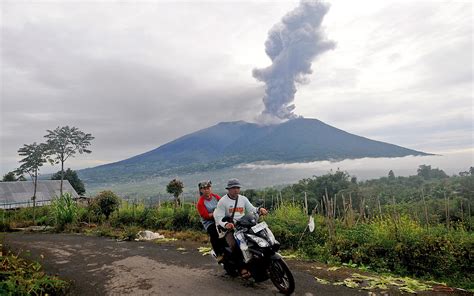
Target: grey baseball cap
[(233, 183)]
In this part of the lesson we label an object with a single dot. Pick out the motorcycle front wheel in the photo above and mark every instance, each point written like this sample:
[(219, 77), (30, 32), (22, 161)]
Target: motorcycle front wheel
[(281, 276)]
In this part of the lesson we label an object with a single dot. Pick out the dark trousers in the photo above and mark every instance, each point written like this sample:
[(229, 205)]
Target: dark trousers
[(216, 243)]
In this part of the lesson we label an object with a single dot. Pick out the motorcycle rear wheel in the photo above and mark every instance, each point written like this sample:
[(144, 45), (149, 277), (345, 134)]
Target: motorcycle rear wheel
[(281, 276)]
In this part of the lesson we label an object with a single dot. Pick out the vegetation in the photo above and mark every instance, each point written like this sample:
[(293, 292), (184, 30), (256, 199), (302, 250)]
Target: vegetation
[(23, 277), (73, 179), (64, 210), (34, 158), (106, 203), (175, 187), (417, 226), (11, 177), (64, 142)]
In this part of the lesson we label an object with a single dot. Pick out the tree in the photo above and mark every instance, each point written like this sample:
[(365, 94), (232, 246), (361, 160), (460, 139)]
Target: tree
[(9, 177), (72, 177), (34, 157), (107, 202), (391, 175), (175, 187), (63, 143), (426, 172)]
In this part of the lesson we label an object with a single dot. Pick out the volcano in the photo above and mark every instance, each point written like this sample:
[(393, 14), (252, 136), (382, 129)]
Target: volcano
[(232, 143)]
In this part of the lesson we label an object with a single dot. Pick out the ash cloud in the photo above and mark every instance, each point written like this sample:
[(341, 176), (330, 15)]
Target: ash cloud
[(292, 45)]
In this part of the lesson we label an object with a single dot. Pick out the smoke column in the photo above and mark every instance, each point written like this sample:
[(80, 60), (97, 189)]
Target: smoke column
[(292, 45)]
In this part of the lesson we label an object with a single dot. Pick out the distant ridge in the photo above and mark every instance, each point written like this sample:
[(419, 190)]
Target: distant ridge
[(230, 143)]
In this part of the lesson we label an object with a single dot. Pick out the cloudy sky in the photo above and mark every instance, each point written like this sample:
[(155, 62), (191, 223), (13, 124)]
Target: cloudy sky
[(139, 74)]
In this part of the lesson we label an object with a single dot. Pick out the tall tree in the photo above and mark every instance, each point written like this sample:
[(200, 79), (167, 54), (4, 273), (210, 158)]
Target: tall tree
[(175, 187), (72, 177), (64, 142), (34, 157)]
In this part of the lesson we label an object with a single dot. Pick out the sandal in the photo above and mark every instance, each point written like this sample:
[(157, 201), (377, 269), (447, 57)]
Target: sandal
[(245, 274)]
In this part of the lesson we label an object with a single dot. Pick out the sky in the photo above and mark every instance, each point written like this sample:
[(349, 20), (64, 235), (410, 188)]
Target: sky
[(139, 74)]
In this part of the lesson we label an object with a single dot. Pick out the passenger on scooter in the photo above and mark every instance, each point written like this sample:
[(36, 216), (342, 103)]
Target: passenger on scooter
[(235, 206), (206, 206)]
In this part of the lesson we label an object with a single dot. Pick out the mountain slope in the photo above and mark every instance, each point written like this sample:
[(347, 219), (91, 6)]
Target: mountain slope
[(230, 143)]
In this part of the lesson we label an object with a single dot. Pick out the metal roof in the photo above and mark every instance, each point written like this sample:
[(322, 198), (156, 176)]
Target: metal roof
[(19, 193)]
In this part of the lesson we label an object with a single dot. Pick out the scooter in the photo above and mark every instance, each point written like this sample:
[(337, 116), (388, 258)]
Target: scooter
[(260, 254)]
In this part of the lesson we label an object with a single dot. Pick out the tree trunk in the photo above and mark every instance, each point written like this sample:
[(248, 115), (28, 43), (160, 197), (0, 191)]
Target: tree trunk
[(34, 197), (177, 201), (62, 178)]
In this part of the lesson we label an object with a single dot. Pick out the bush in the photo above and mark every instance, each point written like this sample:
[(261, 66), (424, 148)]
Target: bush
[(106, 203), (128, 214), (64, 210), (287, 223), (402, 246)]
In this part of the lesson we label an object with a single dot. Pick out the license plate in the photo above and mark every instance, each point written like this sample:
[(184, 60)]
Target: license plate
[(260, 226)]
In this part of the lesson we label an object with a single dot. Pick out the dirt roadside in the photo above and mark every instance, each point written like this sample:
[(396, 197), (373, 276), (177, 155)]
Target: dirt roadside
[(102, 266)]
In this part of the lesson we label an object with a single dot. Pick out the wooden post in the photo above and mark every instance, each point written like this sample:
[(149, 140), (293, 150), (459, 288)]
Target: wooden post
[(426, 208), (305, 203), (380, 207), (446, 198)]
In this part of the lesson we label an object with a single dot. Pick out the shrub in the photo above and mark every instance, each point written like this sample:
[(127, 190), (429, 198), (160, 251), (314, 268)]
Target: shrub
[(287, 223), (128, 214), (64, 210), (107, 202)]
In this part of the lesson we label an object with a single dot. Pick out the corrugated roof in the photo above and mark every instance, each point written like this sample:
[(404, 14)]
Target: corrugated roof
[(18, 194)]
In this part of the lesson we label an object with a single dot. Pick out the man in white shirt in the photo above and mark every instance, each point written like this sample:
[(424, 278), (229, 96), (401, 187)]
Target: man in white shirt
[(235, 206)]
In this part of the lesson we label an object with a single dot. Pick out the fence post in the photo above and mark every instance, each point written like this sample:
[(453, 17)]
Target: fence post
[(426, 208), (305, 203)]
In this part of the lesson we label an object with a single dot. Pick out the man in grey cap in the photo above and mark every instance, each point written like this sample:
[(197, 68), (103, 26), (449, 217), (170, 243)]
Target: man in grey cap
[(230, 209)]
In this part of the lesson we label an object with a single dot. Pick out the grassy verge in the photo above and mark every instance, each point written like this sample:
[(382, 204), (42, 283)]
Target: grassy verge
[(19, 276)]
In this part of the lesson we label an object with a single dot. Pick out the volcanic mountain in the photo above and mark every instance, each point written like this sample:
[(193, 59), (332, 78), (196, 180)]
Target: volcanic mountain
[(231, 143)]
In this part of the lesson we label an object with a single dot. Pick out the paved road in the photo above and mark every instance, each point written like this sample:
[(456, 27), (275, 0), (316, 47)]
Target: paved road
[(102, 266)]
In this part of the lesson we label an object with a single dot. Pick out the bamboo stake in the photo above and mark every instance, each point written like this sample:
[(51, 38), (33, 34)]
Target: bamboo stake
[(305, 203), (446, 198), (380, 207), (426, 208)]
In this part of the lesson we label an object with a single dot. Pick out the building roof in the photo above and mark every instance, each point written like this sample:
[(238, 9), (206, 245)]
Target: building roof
[(19, 193)]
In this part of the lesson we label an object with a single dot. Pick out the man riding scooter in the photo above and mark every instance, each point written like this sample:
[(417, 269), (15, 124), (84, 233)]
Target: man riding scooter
[(230, 209)]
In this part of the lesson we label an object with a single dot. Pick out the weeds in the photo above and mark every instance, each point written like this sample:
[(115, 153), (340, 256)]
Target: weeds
[(21, 277)]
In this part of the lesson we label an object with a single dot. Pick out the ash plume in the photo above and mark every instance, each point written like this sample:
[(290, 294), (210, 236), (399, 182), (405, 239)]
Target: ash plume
[(292, 45)]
